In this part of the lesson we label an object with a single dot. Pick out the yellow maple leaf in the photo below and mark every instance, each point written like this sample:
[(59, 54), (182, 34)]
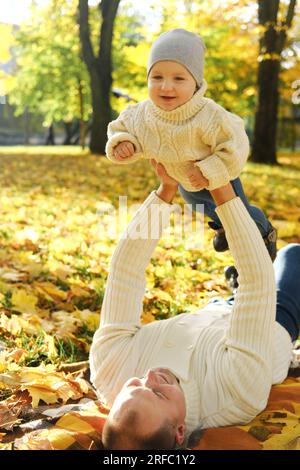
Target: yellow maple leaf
[(38, 393), (45, 384), (59, 439), (23, 301), (80, 291), (50, 291), (74, 423), (64, 392)]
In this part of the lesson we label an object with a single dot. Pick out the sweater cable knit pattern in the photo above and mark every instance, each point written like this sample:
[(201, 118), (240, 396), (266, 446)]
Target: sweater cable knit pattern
[(199, 132)]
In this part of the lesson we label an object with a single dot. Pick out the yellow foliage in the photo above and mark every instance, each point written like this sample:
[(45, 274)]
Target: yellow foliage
[(43, 383), (54, 272), (6, 43), (91, 319), (23, 301), (38, 394), (50, 291), (50, 345), (73, 423), (59, 439)]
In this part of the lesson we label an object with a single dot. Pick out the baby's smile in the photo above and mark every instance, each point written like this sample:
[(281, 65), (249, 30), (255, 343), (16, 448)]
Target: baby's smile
[(168, 99), (170, 85)]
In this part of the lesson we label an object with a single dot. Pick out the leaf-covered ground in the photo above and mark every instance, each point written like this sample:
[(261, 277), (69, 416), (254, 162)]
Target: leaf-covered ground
[(58, 228)]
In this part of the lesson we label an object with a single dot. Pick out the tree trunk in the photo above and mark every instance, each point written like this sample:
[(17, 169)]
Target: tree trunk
[(272, 44), (50, 139), (82, 133), (101, 112), (68, 131), (27, 126), (82, 124), (100, 69), (265, 129)]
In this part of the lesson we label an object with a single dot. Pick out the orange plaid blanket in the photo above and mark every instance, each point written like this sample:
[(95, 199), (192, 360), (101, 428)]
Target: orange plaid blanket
[(277, 427)]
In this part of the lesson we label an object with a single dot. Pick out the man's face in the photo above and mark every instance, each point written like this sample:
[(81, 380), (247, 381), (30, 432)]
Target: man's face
[(156, 396), (170, 85)]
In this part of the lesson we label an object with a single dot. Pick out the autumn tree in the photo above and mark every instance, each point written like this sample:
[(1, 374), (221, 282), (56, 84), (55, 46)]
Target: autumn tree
[(229, 31), (100, 68), (51, 80), (275, 19)]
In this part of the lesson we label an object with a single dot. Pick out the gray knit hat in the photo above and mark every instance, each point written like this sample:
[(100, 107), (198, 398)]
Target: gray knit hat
[(180, 46)]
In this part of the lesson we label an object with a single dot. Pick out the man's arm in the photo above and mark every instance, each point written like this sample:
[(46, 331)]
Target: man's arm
[(113, 342), (126, 283), (223, 194), (168, 187), (249, 338)]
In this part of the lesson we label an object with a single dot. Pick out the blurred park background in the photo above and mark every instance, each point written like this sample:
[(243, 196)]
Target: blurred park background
[(68, 67)]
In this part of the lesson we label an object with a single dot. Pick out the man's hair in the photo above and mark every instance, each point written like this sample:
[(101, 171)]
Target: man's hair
[(128, 436)]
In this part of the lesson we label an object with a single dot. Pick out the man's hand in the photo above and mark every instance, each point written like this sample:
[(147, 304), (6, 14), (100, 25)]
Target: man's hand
[(197, 180), (168, 187), (123, 150), (160, 170), (223, 194)]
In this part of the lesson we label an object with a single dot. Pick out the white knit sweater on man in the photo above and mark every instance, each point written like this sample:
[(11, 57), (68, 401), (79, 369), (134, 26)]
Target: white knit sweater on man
[(226, 357), (200, 132)]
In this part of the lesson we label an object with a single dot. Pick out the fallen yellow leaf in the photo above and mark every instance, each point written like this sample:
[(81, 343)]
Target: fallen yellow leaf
[(23, 301), (38, 394), (50, 291), (72, 423)]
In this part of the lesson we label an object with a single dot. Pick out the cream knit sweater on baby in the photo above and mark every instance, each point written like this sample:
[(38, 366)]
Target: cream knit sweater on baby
[(199, 131), (226, 357)]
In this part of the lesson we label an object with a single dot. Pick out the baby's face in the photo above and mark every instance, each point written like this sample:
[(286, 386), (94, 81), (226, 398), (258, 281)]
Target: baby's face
[(170, 85)]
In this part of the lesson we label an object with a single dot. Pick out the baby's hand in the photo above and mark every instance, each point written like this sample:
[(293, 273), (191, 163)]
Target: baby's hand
[(123, 150), (197, 180)]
